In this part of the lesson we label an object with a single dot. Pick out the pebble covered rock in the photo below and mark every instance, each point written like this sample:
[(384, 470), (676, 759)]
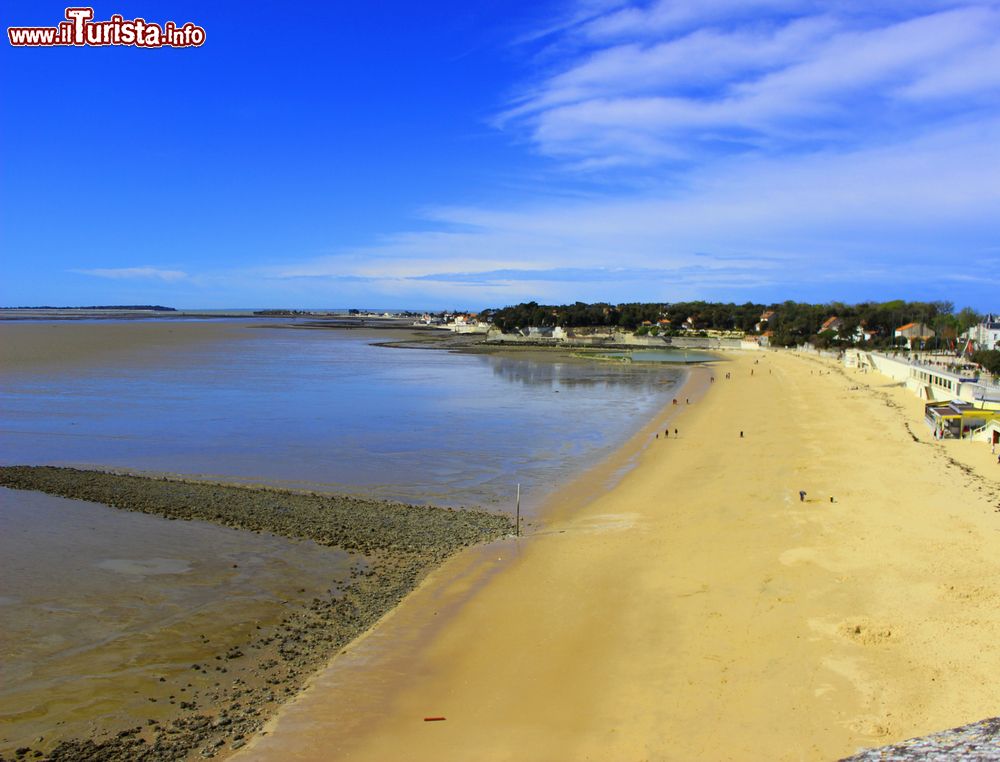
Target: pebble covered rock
[(352, 523)]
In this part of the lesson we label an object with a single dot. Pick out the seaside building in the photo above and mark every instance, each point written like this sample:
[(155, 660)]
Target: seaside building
[(986, 335), (468, 324), (958, 419), (930, 382), (914, 332), (958, 404)]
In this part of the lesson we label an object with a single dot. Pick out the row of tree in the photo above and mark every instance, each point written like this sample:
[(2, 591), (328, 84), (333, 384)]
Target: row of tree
[(791, 322), (988, 359)]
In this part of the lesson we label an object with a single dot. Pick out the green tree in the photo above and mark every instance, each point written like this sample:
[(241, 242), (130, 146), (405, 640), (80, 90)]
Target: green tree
[(967, 318), (989, 359)]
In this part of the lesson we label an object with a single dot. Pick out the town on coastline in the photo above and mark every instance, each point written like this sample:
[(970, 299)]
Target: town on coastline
[(949, 359)]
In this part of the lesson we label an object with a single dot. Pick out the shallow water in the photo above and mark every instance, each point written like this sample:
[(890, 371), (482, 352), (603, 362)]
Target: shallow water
[(326, 409), (98, 604)]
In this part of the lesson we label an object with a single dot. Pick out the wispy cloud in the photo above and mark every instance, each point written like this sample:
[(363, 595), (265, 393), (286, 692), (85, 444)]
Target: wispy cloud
[(878, 210), (135, 273), (676, 82)]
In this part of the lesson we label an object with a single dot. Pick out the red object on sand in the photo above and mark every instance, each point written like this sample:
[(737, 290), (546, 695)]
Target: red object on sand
[(433, 719)]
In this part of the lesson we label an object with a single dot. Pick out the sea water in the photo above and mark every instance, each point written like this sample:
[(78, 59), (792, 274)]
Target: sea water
[(329, 410)]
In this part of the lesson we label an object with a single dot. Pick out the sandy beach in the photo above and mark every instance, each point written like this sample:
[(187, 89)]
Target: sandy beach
[(698, 609)]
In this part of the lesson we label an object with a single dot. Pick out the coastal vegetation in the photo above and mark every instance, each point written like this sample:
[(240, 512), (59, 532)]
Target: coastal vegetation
[(988, 359), (787, 323)]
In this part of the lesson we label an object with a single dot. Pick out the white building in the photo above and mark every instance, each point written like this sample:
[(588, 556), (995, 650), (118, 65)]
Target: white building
[(986, 335), (861, 333), (765, 318)]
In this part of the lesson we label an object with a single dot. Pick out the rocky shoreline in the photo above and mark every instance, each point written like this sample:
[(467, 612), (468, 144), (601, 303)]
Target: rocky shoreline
[(975, 742), (214, 707)]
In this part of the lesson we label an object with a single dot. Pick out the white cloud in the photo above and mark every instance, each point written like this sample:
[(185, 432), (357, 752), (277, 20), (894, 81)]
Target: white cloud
[(972, 72), (895, 216), (128, 273), (779, 84)]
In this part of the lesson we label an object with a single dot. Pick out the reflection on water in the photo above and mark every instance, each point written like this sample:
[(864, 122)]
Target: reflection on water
[(577, 373), (327, 410), (663, 355)]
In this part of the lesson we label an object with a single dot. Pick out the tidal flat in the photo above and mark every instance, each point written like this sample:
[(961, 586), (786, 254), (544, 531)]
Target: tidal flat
[(206, 629)]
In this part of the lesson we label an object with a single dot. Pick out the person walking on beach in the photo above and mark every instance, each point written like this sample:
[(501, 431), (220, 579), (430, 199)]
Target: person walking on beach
[(802, 495), (675, 432)]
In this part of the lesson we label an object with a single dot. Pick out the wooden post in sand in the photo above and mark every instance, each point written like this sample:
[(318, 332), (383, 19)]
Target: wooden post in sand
[(517, 512)]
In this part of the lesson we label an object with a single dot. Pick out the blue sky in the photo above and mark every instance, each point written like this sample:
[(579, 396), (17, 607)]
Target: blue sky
[(456, 154)]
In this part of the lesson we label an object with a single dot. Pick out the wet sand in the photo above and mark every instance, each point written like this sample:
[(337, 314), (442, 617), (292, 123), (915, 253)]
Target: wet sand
[(155, 673), (699, 609), (30, 346), (99, 605)]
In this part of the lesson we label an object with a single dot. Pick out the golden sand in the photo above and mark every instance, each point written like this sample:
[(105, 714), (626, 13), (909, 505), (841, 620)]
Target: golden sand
[(699, 609)]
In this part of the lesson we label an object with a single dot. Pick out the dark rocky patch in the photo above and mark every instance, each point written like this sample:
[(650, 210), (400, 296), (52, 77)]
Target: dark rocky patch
[(979, 741), (353, 523)]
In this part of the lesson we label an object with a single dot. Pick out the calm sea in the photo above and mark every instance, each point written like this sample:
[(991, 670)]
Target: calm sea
[(326, 409)]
